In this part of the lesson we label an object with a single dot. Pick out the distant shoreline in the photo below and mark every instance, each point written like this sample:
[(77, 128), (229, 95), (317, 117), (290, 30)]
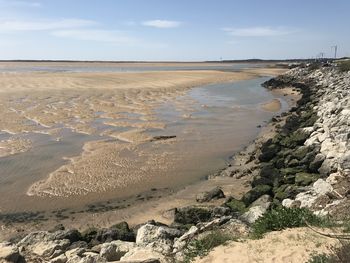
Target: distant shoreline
[(158, 62)]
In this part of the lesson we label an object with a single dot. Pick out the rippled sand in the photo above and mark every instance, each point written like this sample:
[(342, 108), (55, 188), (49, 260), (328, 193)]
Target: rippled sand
[(119, 106), (13, 146)]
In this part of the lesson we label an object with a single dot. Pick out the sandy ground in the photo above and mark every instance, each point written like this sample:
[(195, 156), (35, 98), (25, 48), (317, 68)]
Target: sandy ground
[(273, 106), (287, 246)]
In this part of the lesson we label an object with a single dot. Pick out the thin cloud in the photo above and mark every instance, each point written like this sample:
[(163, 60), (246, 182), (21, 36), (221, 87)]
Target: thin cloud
[(162, 23), (110, 36), (15, 3), (22, 25), (258, 31)]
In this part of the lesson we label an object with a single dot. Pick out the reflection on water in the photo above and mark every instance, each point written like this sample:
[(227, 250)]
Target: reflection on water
[(210, 123)]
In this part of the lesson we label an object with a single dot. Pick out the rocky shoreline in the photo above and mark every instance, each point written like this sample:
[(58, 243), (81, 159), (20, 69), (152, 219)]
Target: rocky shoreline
[(303, 162)]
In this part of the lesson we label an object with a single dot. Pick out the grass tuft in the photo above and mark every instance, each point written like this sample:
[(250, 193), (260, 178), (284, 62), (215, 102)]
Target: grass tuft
[(201, 247), (282, 217)]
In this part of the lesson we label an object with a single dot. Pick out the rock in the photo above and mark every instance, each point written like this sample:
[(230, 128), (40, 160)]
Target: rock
[(327, 167), (235, 205), (143, 254), (301, 152), (89, 234), (9, 253), (321, 187), (160, 238), (47, 248), (215, 193), (253, 214), (59, 259), (150, 233), (117, 232), (73, 235), (263, 201), (192, 215), (255, 193), (268, 151), (162, 137), (305, 179), (75, 252), (123, 247), (78, 244), (36, 237), (317, 162), (109, 252)]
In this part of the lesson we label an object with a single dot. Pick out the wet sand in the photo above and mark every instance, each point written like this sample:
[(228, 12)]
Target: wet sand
[(117, 116)]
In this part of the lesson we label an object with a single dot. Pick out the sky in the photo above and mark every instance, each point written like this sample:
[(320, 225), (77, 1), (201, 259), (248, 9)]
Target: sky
[(177, 30)]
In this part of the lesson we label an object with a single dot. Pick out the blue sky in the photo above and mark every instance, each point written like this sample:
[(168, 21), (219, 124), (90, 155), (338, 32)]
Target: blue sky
[(186, 30)]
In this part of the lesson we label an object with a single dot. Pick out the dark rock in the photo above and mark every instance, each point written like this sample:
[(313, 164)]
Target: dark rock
[(215, 193), (268, 151), (317, 162), (294, 139), (119, 231), (73, 235), (219, 211), (235, 205), (163, 137), (255, 193), (305, 179), (259, 180), (301, 152), (286, 191), (292, 123), (293, 163), (89, 234), (57, 228), (192, 215), (78, 244)]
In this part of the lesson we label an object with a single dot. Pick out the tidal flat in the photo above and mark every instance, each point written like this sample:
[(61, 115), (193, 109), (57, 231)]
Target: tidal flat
[(85, 139)]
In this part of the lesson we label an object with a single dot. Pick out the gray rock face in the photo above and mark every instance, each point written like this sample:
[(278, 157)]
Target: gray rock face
[(159, 238), (109, 252), (257, 209)]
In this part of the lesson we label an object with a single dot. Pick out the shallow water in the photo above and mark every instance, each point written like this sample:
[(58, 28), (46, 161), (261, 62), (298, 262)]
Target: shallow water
[(119, 67), (211, 122)]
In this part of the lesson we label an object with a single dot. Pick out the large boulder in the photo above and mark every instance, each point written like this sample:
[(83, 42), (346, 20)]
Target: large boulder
[(149, 233), (159, 238), (215, 193), (257, 209)]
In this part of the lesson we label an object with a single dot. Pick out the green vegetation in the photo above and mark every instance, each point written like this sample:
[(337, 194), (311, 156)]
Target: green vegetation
[(340, 254), (282, 217), (344, 65), (236, 206), (319, 258), (201, 247)]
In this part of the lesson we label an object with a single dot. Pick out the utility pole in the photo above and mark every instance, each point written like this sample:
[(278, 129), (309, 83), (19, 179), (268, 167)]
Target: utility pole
[(335, 50)]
